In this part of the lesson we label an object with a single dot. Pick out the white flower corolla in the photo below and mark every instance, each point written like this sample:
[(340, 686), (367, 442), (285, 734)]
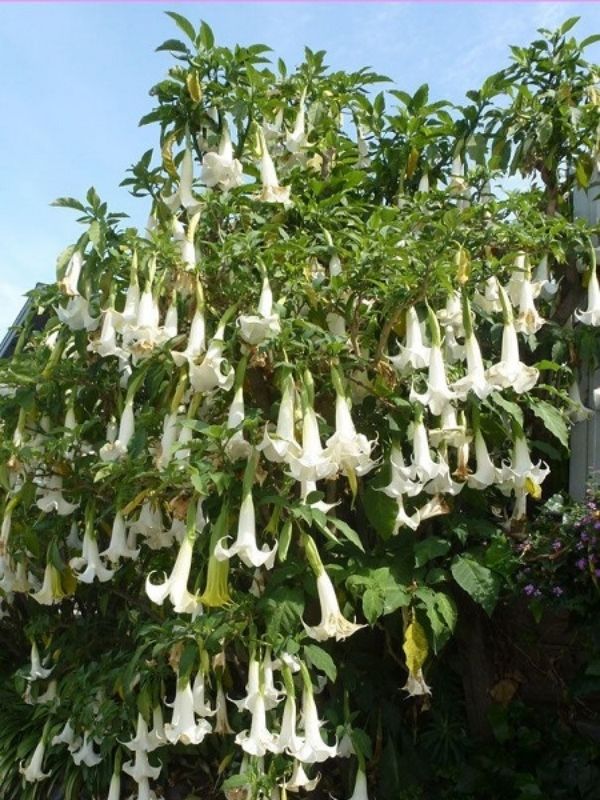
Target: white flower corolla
[(547, 286), (490, 300), (423, 466), (196, 344), (364, 160), (118, 546), (170, 327), (296, 140), (333, 623), (314, 462), (183, 726), (475, 380), (141, 740), (486, 473), (453, 350), (52, 591), (144, 792), (452, 314), (510, 372), (222, 726), (185, 239), (237, 447), (278, 447), (50, 496), (438, 394), (168, 439), (156, 737), (360, 786), (37, 672), (114, 789), (68, 284), (85, 754), (528, 320), (518, 275), (183, 196), (520, 473), (106, 345), (141, 337), (252, 686), (591, 316), (66, 735), (577, 412), (201, 706), (450, 431), (315, 749), (257, 328), (149, 524), (271, 694), (113, 451), (213, 372), (76, 315), (258, 740), (49, 695), (140, 770), (33, 771), (175, 586), (89, 566), (414, 354), (442, 483), (245, 546), (271, 191), (348, 450), (415, 685), (222, 168), (272, 130), (300, 780), (287, 740)]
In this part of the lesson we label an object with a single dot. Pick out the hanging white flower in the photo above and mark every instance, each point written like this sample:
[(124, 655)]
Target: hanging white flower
[(300, 780), (118, 546), (50, 496), (314, 462), (183, 195), (591, 316), (76, 315), (113, 451), (237, 447), (85, 754), (296, 140), (222, 168), (282, 444), (486, 473), (258, 740), (89, 566), (213, 372), (360, 786), (348, 450), (271, 192), (528, 319), (175, 586), (438, 394), (475, 380), (413, 354), (489, 301), (196, 344), (578, 412), (37, 672), (245, 546), (33, 771), (183, 726), (68, 284), (315, 749), (547, 286), (51, 592), (257, 328)]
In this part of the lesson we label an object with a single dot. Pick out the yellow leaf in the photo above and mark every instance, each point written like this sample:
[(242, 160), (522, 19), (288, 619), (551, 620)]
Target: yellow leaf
[(167, 157), (463, 265), (415, 647), (194, 86), (411, 164), (135, 502)]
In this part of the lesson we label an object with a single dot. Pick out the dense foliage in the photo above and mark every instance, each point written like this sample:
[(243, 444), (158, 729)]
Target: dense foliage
[(262, 460)]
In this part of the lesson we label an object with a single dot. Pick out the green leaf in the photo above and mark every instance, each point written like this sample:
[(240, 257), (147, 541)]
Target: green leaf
[(552, 419), (347, 531), (512, 409), (68, 202), (206, 37), (172, 46), (283, 608), (589, 40), (183, 24), (479, 582), (381, 511), (568, 24), (429, 548), (447, 609), (584, 167), (373, 605), (320, 659)]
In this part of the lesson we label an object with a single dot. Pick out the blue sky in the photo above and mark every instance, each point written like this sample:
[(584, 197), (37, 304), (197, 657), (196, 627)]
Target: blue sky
[(75, 80)]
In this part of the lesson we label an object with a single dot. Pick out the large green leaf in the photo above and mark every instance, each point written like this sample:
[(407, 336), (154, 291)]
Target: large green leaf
[(477, 581), (552, 419)]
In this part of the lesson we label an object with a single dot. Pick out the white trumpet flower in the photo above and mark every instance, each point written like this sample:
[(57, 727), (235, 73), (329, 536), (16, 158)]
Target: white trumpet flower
[(348, 450), (315, 749), (33, 771), (76, 315), (452, 314), (237, 447), (157, 736), (51, 498), (68, 285), (258, 740), (490, 300), (209, 374), (201, 707), (106, 344), (415, 685), (85, 754), (287, 740), (113, 451), (475, 380), (175, 586), (114, 790), (118, 546), (279, 447), (222, 168), (438, 394), (296, 140), (333, 623), (364, 160), (521, 473), (486, 473), (591, 316), (510, 372), (413, 354), (360, 786), (183, 726), (66, 735), (257, 328), (245, 546), (300, 780), (140, 770), (578, 412), (196, 344), (37, 672), (453, 350), (141, 740), (423, 466), (222, 725), (313, 463), (548, 287), (51, 592), (271, 192), (183, 195), (168, 439), (89, 566), (528, 320)]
